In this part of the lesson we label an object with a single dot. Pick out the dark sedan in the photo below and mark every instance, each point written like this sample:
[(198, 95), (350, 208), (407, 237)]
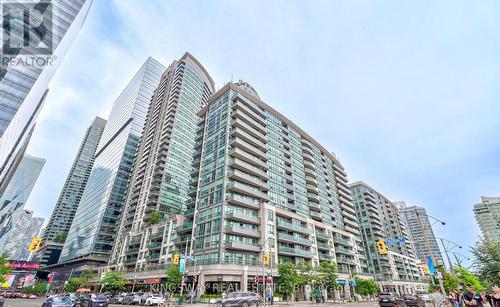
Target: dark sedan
[(413, 301)]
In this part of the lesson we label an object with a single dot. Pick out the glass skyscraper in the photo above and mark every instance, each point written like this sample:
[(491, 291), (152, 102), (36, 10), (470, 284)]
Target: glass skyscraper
[(161, 178), (25, 227), (17, 192), (23, 89), (70, 196), (487, 214), (420, 230), (94, 226)]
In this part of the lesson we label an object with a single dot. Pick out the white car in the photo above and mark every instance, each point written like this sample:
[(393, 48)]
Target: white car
[(155, 299)]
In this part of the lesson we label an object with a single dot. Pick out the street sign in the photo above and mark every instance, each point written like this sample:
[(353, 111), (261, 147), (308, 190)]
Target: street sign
[(395, 241)]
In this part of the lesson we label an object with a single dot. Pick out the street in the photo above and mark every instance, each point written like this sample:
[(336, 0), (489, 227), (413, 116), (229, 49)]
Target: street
[(39, 302)]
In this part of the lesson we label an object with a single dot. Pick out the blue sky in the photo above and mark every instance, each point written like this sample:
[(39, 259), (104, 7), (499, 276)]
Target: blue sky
[(405, 93)]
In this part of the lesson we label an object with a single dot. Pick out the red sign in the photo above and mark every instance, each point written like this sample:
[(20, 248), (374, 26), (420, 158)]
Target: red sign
[(152, 281), (23, 265), (269, 280)]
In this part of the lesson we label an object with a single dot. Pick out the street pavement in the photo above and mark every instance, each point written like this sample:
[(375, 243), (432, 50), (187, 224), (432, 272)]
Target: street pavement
[(38, 302)]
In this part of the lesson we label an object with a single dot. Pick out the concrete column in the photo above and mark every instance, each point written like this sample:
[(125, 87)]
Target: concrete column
[(347, 291), (336, 294), (244, 279), (201, 283)]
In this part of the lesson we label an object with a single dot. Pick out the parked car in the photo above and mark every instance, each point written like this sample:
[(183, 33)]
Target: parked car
[(154, 299), (58, 301), (239, 299), (117, 299), (411, 300), (131, 299), (387, 299)]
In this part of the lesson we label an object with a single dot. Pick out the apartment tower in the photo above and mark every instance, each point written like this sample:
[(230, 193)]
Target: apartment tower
[(64, 211), (162, 173), (487, 214), (419, 228), (398, 269)]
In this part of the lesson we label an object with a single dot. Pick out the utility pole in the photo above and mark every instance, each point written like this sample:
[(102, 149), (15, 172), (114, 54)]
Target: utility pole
[(447, 256)]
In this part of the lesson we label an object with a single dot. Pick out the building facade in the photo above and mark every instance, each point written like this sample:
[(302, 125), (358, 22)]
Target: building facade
[(397, 270), (16, 195), (259, 185), (487, 214), (420, 230), (69, 199), (93, 231), (23, 88), (67, 204), (25, 227), (162, 173)]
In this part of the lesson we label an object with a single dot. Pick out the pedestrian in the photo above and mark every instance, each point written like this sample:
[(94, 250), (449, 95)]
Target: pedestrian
[(494, 297), (470, 298)]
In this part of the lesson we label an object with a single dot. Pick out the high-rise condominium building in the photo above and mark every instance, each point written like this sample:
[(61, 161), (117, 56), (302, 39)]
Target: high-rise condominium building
[(24, 88), (259, 184), (487, 214), (16, 195), (419, 228), (69, 199), (25, 227), (397, 270), (94, 226), (162, 173)]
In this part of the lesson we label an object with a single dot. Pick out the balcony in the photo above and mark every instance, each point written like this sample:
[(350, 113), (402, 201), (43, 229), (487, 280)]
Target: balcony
[(309, 165), (249, 232), (293, 239), (296, 252), (154, 245), (241, 154), (343, 250), (243, 201), (185, 227), (290, 226), (322, 235), (315, 215), (341, 240), (130, 261), (323, 246), (248, 168), (314, 207), (312, 188), (248, 179), (253, 114), (243, 145), (248, 190), (255, 124), (242, 246), (243, 218), (310, 173), (238, 132), (237, 122), (313, 198), (325, 256)]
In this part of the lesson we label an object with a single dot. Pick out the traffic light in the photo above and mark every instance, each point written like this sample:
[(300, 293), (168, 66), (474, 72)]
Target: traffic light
[(34, 245), (266, 259), (175, 259), (381, 247)]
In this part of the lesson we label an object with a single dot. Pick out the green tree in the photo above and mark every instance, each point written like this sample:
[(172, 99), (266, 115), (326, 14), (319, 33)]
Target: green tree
[(467, 278), (327, 272), (61, 238), (38, 288), (366, 286), (288, 277), (174, 278), (4, 270), (154, 218), (307, 274), (487, 254), (113, 281), (72, 284)]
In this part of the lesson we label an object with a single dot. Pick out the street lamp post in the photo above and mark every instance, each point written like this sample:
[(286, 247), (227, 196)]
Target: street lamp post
[(262, 250), (446, 249)]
